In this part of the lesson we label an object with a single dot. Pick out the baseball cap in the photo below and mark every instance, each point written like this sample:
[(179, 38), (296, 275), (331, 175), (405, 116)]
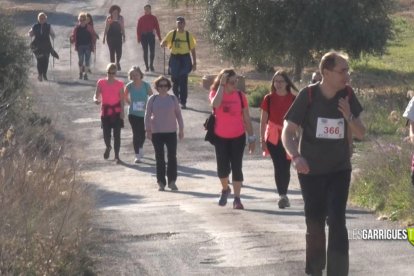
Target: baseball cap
[(180, 19)]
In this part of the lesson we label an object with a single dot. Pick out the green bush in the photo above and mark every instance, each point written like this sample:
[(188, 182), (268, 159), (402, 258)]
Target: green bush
[(255, 96)]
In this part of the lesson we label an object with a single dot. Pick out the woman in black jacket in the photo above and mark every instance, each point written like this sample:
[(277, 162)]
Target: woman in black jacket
[(41, 45)]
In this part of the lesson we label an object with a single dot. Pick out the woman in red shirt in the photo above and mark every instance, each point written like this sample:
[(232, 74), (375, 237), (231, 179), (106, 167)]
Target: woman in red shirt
[(274, 107), (232, 122)]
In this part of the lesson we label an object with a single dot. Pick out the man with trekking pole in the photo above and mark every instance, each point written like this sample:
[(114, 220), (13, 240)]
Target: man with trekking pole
[(181, 63)]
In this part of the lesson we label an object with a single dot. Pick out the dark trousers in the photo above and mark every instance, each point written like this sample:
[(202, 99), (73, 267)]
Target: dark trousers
[(107, 126), (138, 131), (180, 66), (115, 50), (148, 41), (170, 141), (42, 65), (229, 156), (281, 166), (326, 196)]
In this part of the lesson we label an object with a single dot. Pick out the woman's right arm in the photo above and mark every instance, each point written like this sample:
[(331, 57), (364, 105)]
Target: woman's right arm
[(97, 96), (126, 95), (106, 29), (263, 123)]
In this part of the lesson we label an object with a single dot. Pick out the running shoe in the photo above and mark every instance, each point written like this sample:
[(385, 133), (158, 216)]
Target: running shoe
[(224, 196), (161, 186), (237, 204), (283, 202), (106, 153), (172, 186)]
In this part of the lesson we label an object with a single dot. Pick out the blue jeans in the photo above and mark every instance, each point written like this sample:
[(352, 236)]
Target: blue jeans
[(84, 55), (325, 196), (170, 141), (180, 66)]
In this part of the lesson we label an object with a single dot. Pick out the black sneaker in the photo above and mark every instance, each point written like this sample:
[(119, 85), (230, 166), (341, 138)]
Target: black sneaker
[(161, 186), (146, 69), (45, 77), (106, 153), (85, 76), (80, 75), (152, 68), (224, 196), (118, 67)]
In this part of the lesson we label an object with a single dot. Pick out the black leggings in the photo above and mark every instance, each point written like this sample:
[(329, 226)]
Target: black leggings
[(115, 49), (229, 156), (138, 131), (42, 65), (107, 126), (281, 166)]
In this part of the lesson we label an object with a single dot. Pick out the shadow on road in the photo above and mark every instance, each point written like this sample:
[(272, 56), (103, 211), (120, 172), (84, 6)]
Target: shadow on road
[(277, 213), (290, 192), (106, 198)]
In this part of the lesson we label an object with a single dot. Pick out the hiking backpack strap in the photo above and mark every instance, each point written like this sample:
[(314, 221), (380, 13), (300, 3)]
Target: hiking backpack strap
[(173, 37), (309, 92), (187, 34), (241, 99)]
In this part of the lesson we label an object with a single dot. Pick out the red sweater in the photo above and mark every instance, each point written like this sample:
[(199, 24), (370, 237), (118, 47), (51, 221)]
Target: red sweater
[(147, 24)]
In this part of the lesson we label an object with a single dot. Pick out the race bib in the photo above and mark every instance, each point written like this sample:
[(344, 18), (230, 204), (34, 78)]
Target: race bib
[(138, 106), (330, 128)]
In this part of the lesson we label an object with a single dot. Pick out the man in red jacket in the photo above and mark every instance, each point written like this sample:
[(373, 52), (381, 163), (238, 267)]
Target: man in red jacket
[(145, 35)]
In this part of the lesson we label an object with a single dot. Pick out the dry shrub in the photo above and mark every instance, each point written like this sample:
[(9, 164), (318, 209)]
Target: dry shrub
[(44, 208)]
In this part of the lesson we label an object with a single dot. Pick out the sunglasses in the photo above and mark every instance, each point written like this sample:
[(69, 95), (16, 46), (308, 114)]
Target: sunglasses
[(111, 73)]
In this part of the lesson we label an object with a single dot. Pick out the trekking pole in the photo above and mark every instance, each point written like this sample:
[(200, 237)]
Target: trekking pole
[(164, 61), (70, 55), (94, 55), (53, 46)]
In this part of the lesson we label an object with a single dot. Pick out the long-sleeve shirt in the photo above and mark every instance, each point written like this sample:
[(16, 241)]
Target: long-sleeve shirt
[(147, 24), (162, 114)]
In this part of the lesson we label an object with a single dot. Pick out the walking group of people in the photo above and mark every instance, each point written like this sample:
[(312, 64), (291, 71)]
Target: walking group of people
[(181, 42), (312, 129)]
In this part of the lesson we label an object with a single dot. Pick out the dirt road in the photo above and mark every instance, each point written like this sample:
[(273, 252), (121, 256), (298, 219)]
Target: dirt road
[(185, 232)]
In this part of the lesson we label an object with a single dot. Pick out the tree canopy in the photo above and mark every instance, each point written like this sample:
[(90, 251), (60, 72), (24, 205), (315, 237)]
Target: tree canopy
[(266, 32)]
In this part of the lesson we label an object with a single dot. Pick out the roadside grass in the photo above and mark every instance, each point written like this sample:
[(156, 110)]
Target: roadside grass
[(44, 207)]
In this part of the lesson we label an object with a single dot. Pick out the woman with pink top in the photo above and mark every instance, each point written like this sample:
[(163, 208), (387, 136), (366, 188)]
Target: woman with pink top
[(110, 94), (232, 122), (161, 117)]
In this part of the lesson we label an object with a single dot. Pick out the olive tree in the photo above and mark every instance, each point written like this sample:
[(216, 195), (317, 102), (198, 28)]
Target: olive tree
[(266, 32)]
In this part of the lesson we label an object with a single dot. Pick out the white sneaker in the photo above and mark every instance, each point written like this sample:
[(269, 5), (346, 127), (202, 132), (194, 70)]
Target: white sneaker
[(141, 153), (283, 202), (137, 158)]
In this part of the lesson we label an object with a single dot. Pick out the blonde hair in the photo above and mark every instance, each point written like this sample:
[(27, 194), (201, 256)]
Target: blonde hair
[(40, 15), (111, 67), (82, 15)]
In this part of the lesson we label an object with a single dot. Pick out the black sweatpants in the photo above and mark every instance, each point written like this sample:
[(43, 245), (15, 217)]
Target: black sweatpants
[(138, 131)]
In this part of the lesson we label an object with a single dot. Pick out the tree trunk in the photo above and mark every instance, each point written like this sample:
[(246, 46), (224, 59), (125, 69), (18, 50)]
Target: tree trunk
[(298, 69)]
